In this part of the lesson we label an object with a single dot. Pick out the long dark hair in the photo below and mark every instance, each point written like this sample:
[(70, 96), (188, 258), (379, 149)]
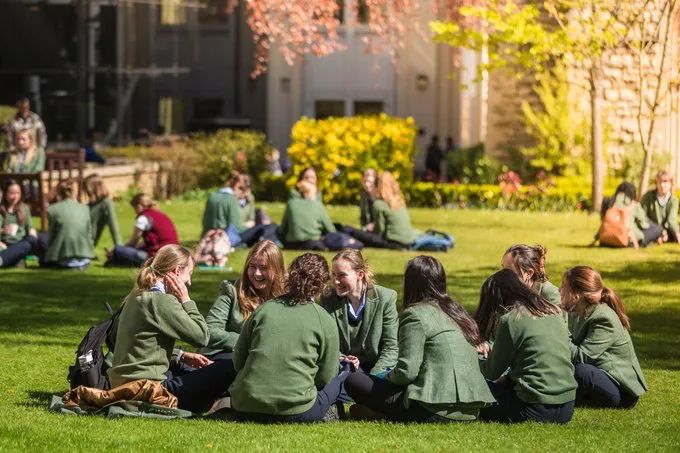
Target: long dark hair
[(4, 206), (628, 189), (502, 292), (529, 258), (425, 282)]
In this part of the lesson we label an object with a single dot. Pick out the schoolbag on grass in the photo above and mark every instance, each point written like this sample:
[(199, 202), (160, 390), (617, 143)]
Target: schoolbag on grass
[(213, 249), (434, 241), (614, 229), (90, 367)]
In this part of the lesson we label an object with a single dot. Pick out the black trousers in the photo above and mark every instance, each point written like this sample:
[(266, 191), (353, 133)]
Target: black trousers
[(123, 255), (18, 251), (511, 409), (388, 399), (324, 400), (197, 389), (371, 239), (305, 245), (652, 233), (596, 389), (258, 232)]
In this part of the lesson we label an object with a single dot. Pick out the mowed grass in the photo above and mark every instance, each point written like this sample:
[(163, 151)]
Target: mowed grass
[(44, 314)]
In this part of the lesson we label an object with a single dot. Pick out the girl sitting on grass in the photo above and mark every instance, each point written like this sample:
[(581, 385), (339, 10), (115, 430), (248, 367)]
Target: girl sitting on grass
[(528, 262), (262, 279), (606, 368), (18, 238), (305, 221), (436, 377)]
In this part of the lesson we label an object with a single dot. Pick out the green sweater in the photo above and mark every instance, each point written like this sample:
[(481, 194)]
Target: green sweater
[(599, 339), (34, 166), (377, 336), (221, 210), (248, 211), (295, 194), (148, 326), (638, 220), (664, 216), (224, 320), (304, 220), (102, 215), (286, 351), (22, 229), (69, 232), (365, 208), (437, 365), (392, 225), (537, 352)]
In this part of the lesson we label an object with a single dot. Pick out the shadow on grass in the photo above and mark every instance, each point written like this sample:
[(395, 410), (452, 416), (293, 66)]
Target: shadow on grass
[(40, 399)]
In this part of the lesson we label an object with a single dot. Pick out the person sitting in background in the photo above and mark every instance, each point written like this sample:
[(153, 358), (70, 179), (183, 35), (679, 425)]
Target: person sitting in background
[(18, 238), (307, 175), (25, 119), (661, 206), (152, 226), (69, 235), (262, 279), (390, 215), (366, 199), (305, 221), (528, 262), (641, 231), (26, 157), (606, 368), (156, 313), (102, 210)]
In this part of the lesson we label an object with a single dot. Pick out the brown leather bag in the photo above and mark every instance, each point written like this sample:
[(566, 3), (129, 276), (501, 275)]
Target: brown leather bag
[(614, 228)]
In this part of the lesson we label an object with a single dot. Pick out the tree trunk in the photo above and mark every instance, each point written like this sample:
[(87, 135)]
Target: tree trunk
[(596, 144), (646, 170)]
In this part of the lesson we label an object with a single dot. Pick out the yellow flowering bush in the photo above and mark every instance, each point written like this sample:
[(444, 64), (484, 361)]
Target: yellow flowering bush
[(339, 149)]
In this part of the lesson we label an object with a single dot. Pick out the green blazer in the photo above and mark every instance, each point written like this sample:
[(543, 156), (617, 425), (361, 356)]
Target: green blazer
[(598, 338), (392, 225), (664, 216), (221, 210), (378, 331), (548, 291), (34, 166), (69, 234), (248, 211), (436, 364), (102, 215), (12, 219), (638, 220), (224, 320), (304, 220), (295, 194)]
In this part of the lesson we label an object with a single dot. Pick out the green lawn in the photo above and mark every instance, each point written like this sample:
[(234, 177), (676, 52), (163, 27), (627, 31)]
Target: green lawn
[(44, 314)]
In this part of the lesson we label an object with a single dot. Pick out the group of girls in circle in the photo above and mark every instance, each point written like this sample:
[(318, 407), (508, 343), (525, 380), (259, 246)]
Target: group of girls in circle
[(385, 222), (285, 348), (75, 228), (654, 218)]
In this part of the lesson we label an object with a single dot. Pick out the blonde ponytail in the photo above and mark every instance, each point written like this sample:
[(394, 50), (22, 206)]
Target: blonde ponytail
[(167, 259)]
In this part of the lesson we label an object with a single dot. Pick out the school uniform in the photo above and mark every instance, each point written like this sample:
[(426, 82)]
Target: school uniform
[(304, 223), (221, 210), (548, 291), (664, 212), (639, 225), (392, 225), (436, 377), (287, 363), (69, 235), (370, 333), (102, 215), (19, 244), (539, 385), (16, 163), (365, 208), (157, 232), (295, 194), (224, 320), (607, 370), (148, 326)]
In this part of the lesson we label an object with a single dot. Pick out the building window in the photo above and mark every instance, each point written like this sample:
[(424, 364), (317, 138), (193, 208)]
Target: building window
[(170, 115), (326, 108), (214, 13), (173, 12), (368, 107), (362, 12), (208, 108)]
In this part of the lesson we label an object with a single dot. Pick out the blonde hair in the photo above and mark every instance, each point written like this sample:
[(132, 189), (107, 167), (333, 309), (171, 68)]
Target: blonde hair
[(357, 263), (167, 258), (306, 188), (143, 200), (31, 153), (389, 191), (66, 189), (94, 188), (248, 300)]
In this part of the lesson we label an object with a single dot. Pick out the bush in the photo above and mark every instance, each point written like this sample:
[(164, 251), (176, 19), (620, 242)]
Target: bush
[(341, 148), (6, 113), (472, 166)]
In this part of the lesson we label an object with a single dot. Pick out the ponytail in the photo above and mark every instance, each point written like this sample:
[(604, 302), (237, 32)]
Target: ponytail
[(166, 259), (612, 299), (147, 276)]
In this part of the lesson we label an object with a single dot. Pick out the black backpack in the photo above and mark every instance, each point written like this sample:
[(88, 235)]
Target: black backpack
[(90, 367)]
